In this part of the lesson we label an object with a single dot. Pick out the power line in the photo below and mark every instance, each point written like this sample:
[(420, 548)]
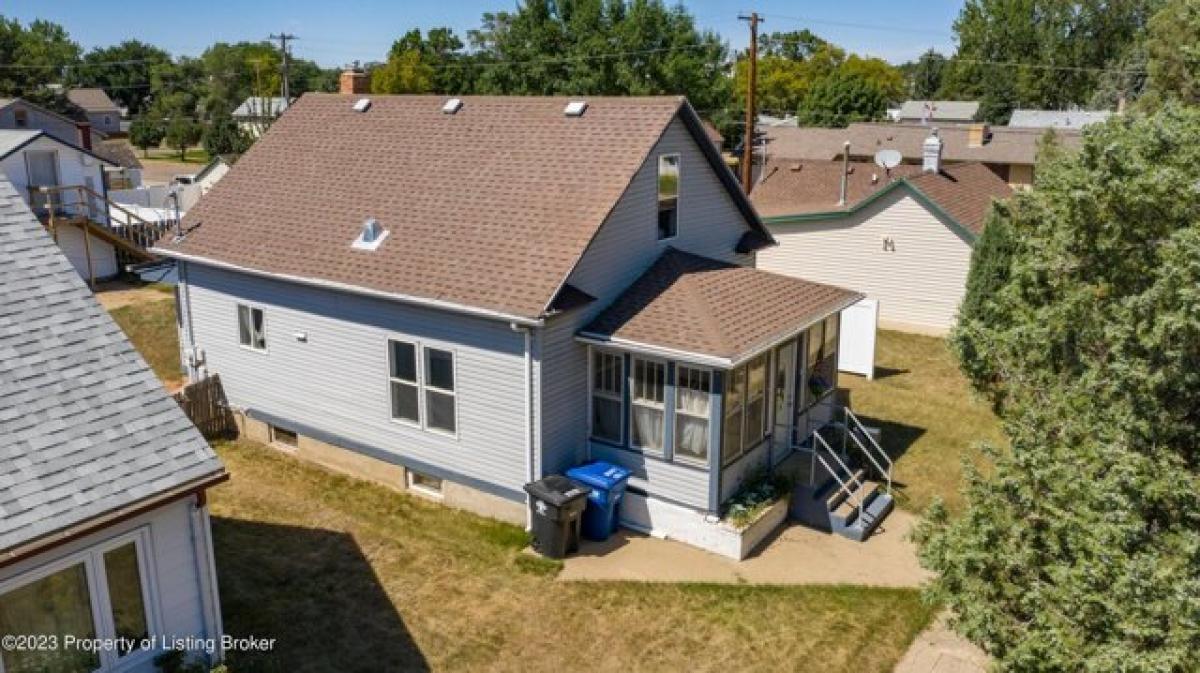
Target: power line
[(863, 26), (283, 38)]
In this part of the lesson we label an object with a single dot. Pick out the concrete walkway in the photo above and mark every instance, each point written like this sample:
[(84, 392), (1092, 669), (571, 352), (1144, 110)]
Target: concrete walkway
[(939, 650), (797, 555)]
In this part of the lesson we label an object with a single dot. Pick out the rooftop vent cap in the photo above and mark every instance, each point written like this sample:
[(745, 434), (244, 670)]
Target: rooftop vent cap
[(453, 105), (371, 236), (362, 105), (575, 108)]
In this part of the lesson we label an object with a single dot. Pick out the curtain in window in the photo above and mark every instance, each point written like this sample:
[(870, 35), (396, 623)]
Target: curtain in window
[(649, 393), (648, 427), (692, 404)]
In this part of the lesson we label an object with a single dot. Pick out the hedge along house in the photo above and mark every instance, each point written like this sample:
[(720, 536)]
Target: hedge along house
[(451, 296), (903, 237), (104, 532)]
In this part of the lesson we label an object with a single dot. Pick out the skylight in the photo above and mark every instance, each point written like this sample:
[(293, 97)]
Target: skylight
[(362, 105), (575, 108), (453, 105)]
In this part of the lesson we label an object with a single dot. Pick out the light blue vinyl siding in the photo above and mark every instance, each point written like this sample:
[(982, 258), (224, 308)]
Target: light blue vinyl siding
[(624, 247), (336, 379)]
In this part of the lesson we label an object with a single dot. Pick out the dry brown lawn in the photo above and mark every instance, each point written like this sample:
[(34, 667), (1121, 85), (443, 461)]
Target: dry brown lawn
[(350, 576), (930, 419)]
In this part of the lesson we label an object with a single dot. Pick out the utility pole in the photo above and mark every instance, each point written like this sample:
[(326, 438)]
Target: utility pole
[(751, 87), (283, 48)]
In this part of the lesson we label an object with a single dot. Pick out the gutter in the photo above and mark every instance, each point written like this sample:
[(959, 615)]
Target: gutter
[(72, 533), (464, 309)]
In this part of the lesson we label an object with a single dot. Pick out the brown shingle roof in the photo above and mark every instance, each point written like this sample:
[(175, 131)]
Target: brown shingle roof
[(703, 306), (1007, 146), (92, 100), (489, 208), (118, 151), (962, 191)]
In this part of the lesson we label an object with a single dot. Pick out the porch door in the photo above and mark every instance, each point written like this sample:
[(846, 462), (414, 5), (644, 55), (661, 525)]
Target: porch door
[(42, 168)]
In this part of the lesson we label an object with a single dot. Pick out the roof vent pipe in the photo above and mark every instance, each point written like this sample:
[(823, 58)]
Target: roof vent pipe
[(931, 153), (845, 172)]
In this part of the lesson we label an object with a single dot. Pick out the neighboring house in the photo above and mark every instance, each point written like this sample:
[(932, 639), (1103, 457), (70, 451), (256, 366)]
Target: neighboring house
[(34, 160), (1011, 153), (104, 532), (210, 175), (475, 292), (903, 238), (937, 112), (127, 173), (101, 111), (21, 115), (1057, 119), (256, 113)]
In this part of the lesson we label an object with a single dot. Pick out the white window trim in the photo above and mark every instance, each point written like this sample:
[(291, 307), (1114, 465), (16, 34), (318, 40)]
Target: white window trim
[(748, 446), (250, 346), (424, 491), (390, 379), (619, 399), (678, 191), (661, 406), (92, 558), (422, 386), (425, 385), (675, 455)]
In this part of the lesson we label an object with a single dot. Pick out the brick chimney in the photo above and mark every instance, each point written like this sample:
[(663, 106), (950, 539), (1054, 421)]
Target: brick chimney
[(354, 80), (85, 135), (931, 153), (978, 135)]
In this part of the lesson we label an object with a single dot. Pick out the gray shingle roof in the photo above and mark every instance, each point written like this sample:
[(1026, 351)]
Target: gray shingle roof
[(256, 106), (939, 110), (85, 427), (1057, 119)]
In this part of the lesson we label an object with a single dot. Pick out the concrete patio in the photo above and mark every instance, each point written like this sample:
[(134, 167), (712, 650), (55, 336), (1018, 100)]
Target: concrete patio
[(795, 555)]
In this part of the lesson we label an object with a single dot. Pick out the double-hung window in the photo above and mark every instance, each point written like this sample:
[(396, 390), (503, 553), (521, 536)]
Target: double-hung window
[(668, 196), (822, 359), (423, 395), (608, 387), (648, 410), (439, 390), (731, 429), (404, 382), (693, 400), (252, 328), (756, 402), (97, 593)]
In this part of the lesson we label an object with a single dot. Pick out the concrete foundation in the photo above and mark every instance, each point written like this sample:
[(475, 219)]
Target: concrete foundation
[(391, 475)]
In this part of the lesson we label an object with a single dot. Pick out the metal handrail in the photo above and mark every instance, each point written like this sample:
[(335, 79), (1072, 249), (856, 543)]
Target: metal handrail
[(850, 494), (849, 416)]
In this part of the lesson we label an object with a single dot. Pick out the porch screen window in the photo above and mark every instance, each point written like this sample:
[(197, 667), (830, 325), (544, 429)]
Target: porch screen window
[(649, 396), (756, 402), (57, 605), (608, 386), (668, 195), (783, 383), (822, 358), (125, 595), (693, 388), (252, 328), (404, 387), (731, 430), (439, 390)]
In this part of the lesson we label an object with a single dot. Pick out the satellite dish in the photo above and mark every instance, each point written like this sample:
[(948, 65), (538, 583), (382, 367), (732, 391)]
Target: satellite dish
[(888, 159)]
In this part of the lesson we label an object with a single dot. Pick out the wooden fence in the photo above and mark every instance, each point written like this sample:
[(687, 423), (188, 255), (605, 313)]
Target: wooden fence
[(204, 403)]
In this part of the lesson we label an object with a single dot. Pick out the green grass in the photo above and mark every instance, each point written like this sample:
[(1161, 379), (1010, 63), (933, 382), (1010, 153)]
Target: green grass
[(352, 576), (151, 328), (930, 419), (194, 155)]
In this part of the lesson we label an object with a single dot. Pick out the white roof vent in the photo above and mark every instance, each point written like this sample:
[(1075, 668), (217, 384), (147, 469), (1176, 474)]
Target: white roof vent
[(362, 105), (575, 108), (371, 236), (453, 105)]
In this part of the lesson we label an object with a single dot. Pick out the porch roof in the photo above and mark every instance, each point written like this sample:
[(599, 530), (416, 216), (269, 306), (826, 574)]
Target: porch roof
[(716, 312)]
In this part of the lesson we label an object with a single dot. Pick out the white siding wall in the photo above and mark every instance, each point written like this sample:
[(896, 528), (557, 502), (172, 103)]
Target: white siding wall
[(336, 382), (918, 286), (625, 246), (104, 258), (174, 560)]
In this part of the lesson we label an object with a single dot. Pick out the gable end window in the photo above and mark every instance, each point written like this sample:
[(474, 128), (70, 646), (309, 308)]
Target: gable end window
[(668, 196), (252, 332)]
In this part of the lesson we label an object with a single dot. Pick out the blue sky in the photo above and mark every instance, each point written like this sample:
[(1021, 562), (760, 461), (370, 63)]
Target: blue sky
[(336, 33)]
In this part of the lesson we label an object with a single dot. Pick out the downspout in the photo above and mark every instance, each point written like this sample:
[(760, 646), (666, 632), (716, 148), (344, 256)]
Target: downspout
[(185, 312), (529, 444), (845, 171), (206, 576)]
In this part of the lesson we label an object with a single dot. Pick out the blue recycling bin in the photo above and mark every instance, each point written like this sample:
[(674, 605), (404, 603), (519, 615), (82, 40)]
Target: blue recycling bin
[(608, 483)]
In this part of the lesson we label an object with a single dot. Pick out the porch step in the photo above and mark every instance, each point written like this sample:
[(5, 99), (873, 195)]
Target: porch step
[(848, 508), (874, 512)]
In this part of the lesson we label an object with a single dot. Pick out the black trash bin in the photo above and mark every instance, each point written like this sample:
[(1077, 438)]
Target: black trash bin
[(557, 506)]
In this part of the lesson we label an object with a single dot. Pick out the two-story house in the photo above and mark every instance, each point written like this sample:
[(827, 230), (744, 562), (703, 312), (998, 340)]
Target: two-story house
[(460, 295)]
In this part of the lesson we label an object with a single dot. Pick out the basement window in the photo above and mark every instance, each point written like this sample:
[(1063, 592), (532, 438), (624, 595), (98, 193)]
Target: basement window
[(424, 483), (668, 196), (284, 437), (252, 328)]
